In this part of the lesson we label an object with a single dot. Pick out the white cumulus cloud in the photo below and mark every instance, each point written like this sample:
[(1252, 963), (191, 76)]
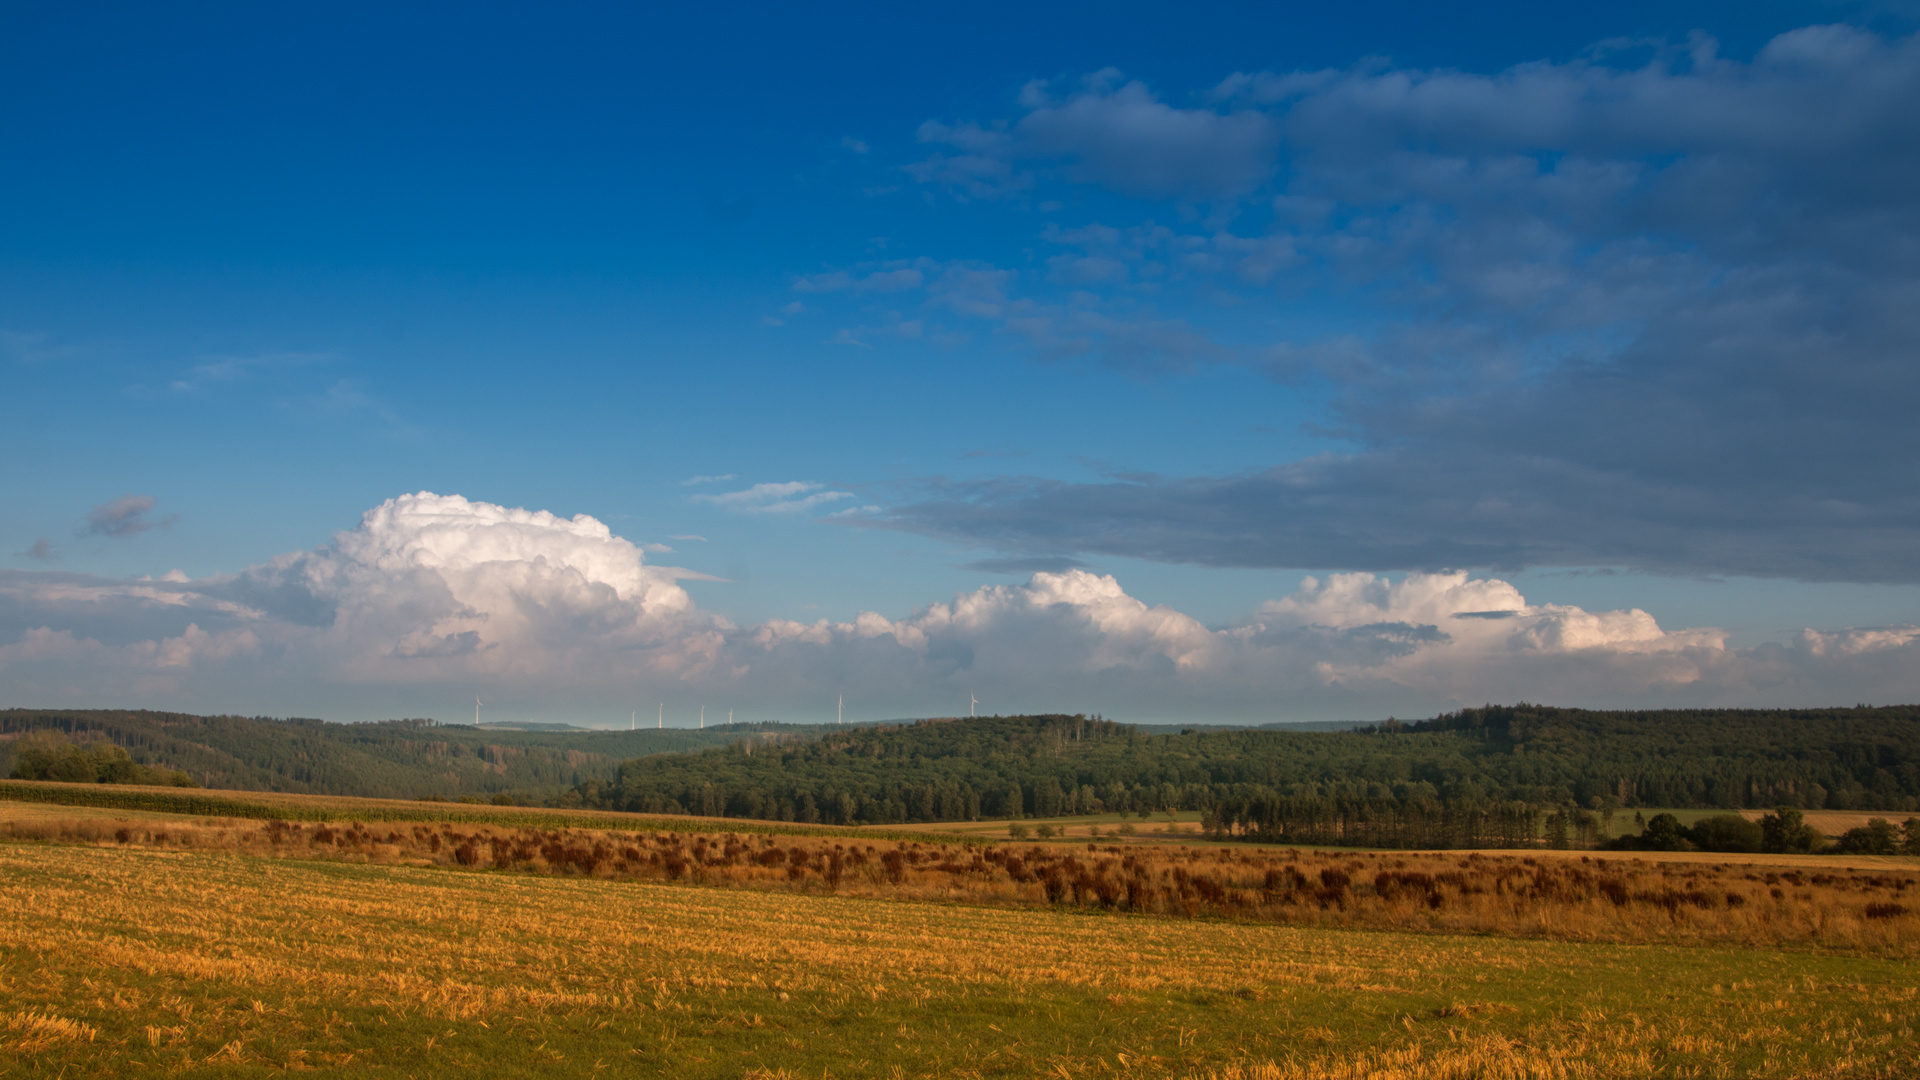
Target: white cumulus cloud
[(432, 598)]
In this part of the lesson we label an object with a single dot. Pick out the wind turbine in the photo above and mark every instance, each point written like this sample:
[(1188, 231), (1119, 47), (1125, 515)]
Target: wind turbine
[(972, 703), (634, 720), (660, 721), (476, 710), (703, 718), (729, 717), (841, 716)]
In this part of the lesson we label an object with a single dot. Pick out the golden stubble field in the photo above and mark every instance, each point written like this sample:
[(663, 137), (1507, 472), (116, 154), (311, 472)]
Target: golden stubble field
[(1830, 904), (125, 958)]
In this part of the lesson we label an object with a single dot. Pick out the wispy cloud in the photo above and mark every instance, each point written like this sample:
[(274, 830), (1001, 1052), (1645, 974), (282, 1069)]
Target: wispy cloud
[(35, 348), (128, 515), (693, 480), (219, 370), (790, 497), (1111, 131), (349, 397)]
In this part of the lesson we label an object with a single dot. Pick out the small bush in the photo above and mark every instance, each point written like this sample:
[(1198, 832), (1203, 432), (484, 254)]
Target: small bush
[(1726, 832), (1665, 833), (1885, 911), (1056, 885), (1333, 887), (1876, 837), (1785, 830)]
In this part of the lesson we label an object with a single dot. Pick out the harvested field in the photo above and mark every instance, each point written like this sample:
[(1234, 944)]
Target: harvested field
[(1622, 899), (212, 946), (129, 960)]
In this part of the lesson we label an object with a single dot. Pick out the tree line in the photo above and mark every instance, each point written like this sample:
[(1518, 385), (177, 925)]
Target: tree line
[(403, 759), (50, 755), (1458, 774)]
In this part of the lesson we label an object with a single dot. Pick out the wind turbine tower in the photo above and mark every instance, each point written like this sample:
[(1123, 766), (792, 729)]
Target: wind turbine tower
[(634, 720), (703, 718), (973, 703), (660, 721), (476, 710), (841, 716)]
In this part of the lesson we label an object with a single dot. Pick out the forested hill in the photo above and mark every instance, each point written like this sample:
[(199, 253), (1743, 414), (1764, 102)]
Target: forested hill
[(397, 759), (1864, 758)]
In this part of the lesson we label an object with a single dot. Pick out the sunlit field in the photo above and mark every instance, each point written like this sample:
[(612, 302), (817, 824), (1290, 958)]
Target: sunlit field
[(1871, 910), (198, 946)]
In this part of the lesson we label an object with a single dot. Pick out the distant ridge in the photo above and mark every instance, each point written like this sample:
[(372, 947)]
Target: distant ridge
[(1859, 758), (404, 759)]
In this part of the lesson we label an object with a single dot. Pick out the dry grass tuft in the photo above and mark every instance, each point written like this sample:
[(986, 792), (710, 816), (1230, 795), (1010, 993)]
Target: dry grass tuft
[(36, 1030)]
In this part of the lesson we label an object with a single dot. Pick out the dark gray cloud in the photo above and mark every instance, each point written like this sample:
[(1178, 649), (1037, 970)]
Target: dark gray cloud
[(1662, 315), (1109, 131), (125, 516), (42, 549)]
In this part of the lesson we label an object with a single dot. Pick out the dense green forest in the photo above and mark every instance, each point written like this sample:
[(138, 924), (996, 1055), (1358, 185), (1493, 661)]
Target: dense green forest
[(1477, 775), (47, 754), (1475, 761), (396, 759)]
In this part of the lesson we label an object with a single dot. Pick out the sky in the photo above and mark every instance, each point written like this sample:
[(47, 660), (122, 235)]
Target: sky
[(1227, 363)]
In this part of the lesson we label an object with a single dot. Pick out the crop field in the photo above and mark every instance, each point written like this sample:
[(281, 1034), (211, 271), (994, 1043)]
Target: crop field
[(224, 947)]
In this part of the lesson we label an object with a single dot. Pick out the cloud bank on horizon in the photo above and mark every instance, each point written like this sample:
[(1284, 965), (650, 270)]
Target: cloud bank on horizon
[(432, 598)]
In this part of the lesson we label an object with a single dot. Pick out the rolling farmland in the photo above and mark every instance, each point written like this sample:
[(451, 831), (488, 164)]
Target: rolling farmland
[(201, 946)]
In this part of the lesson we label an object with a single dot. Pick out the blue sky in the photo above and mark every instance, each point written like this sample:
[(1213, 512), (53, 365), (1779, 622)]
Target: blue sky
[(1609, 308)]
